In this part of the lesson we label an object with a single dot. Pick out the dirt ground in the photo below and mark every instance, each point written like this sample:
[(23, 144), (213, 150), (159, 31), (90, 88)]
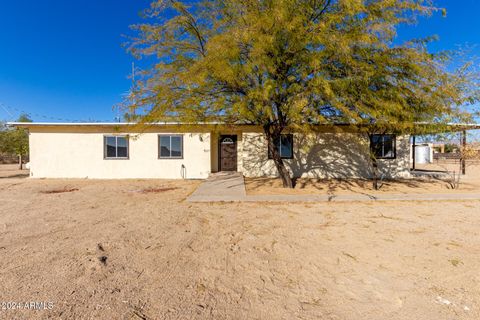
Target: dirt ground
[(134, 249), (468, 184)]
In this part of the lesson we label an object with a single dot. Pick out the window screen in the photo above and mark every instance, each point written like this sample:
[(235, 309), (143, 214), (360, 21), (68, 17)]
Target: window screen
[(284, 145), (383, 146), (116, 147), (170, 146)]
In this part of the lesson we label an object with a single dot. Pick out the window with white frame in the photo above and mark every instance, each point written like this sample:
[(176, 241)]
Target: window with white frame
[(170, 146), (284, 145), (115, 147), (383, 146)]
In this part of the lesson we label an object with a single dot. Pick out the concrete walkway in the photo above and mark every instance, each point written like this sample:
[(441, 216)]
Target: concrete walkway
[(221, 186), (230, 186)]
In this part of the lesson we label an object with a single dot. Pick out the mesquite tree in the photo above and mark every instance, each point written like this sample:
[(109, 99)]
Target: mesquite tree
[(290, 65)]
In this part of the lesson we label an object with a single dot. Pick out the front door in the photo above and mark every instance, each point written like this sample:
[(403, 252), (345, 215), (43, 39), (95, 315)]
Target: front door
[(228, 153)]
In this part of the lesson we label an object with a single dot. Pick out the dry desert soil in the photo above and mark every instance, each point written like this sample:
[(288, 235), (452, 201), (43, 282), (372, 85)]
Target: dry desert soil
[(135, 249)]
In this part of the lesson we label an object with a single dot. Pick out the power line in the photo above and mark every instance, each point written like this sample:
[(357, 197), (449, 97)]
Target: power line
[(6, 108)]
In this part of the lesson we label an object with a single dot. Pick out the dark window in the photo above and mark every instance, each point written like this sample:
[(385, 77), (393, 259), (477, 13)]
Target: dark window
[(170, 146), (284, 145), (116, 147), (383, 146)]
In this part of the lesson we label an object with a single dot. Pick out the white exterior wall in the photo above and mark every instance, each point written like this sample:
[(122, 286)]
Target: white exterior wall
[(81, 155), (324, 155)]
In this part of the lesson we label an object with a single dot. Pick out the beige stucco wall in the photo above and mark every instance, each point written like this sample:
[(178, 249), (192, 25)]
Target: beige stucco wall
[(324, 155), (80, 155), (77, 152)]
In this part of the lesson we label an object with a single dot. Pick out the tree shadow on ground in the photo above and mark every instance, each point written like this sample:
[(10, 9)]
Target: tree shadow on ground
[(15, 175), (335, 186)]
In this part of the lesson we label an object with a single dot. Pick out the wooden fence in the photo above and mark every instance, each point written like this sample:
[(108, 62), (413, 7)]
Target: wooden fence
[(446, 156), (10, 159)]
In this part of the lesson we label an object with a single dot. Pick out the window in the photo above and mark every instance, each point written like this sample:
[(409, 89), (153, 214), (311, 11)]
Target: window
[(383, 146), (115, 147), (228, 140), (285, 146), (170, 146)]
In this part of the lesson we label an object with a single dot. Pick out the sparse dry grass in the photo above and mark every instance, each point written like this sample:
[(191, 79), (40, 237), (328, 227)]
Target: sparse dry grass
[(61, 190), (157, 190)]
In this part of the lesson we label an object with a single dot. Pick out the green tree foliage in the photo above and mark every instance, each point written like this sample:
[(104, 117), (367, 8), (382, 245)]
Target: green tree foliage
[(15, 141), (293, 64), (451, 147)]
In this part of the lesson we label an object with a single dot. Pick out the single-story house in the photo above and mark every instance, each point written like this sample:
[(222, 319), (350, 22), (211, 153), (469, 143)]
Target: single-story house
[(175, 151)]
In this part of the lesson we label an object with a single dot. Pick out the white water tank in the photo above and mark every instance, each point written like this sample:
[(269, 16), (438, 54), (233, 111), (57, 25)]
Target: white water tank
[(422, 154)]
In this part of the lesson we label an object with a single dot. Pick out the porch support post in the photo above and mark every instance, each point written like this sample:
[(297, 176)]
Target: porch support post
[(413, 152), (464, 144)]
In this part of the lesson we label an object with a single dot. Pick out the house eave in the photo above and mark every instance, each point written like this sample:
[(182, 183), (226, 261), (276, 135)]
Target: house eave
[(420, 126), (99, 124)]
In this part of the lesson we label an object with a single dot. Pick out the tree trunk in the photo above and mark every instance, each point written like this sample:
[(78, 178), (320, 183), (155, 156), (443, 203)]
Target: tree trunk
[(20, 162), (373, 162), (464, 144), (373, 159), (287, 181)]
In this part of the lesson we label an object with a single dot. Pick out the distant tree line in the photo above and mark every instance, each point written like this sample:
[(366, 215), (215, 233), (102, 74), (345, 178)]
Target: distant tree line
[(14, 141)]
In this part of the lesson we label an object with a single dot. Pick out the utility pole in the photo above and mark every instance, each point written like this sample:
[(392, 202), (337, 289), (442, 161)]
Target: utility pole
[(133, 73), (413, 151), (132, 110)]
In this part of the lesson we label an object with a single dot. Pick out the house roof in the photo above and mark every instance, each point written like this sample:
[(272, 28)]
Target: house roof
[(452, 127), (74, 124)]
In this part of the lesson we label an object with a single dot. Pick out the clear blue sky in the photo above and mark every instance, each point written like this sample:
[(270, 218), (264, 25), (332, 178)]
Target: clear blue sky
[(63, 59)]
